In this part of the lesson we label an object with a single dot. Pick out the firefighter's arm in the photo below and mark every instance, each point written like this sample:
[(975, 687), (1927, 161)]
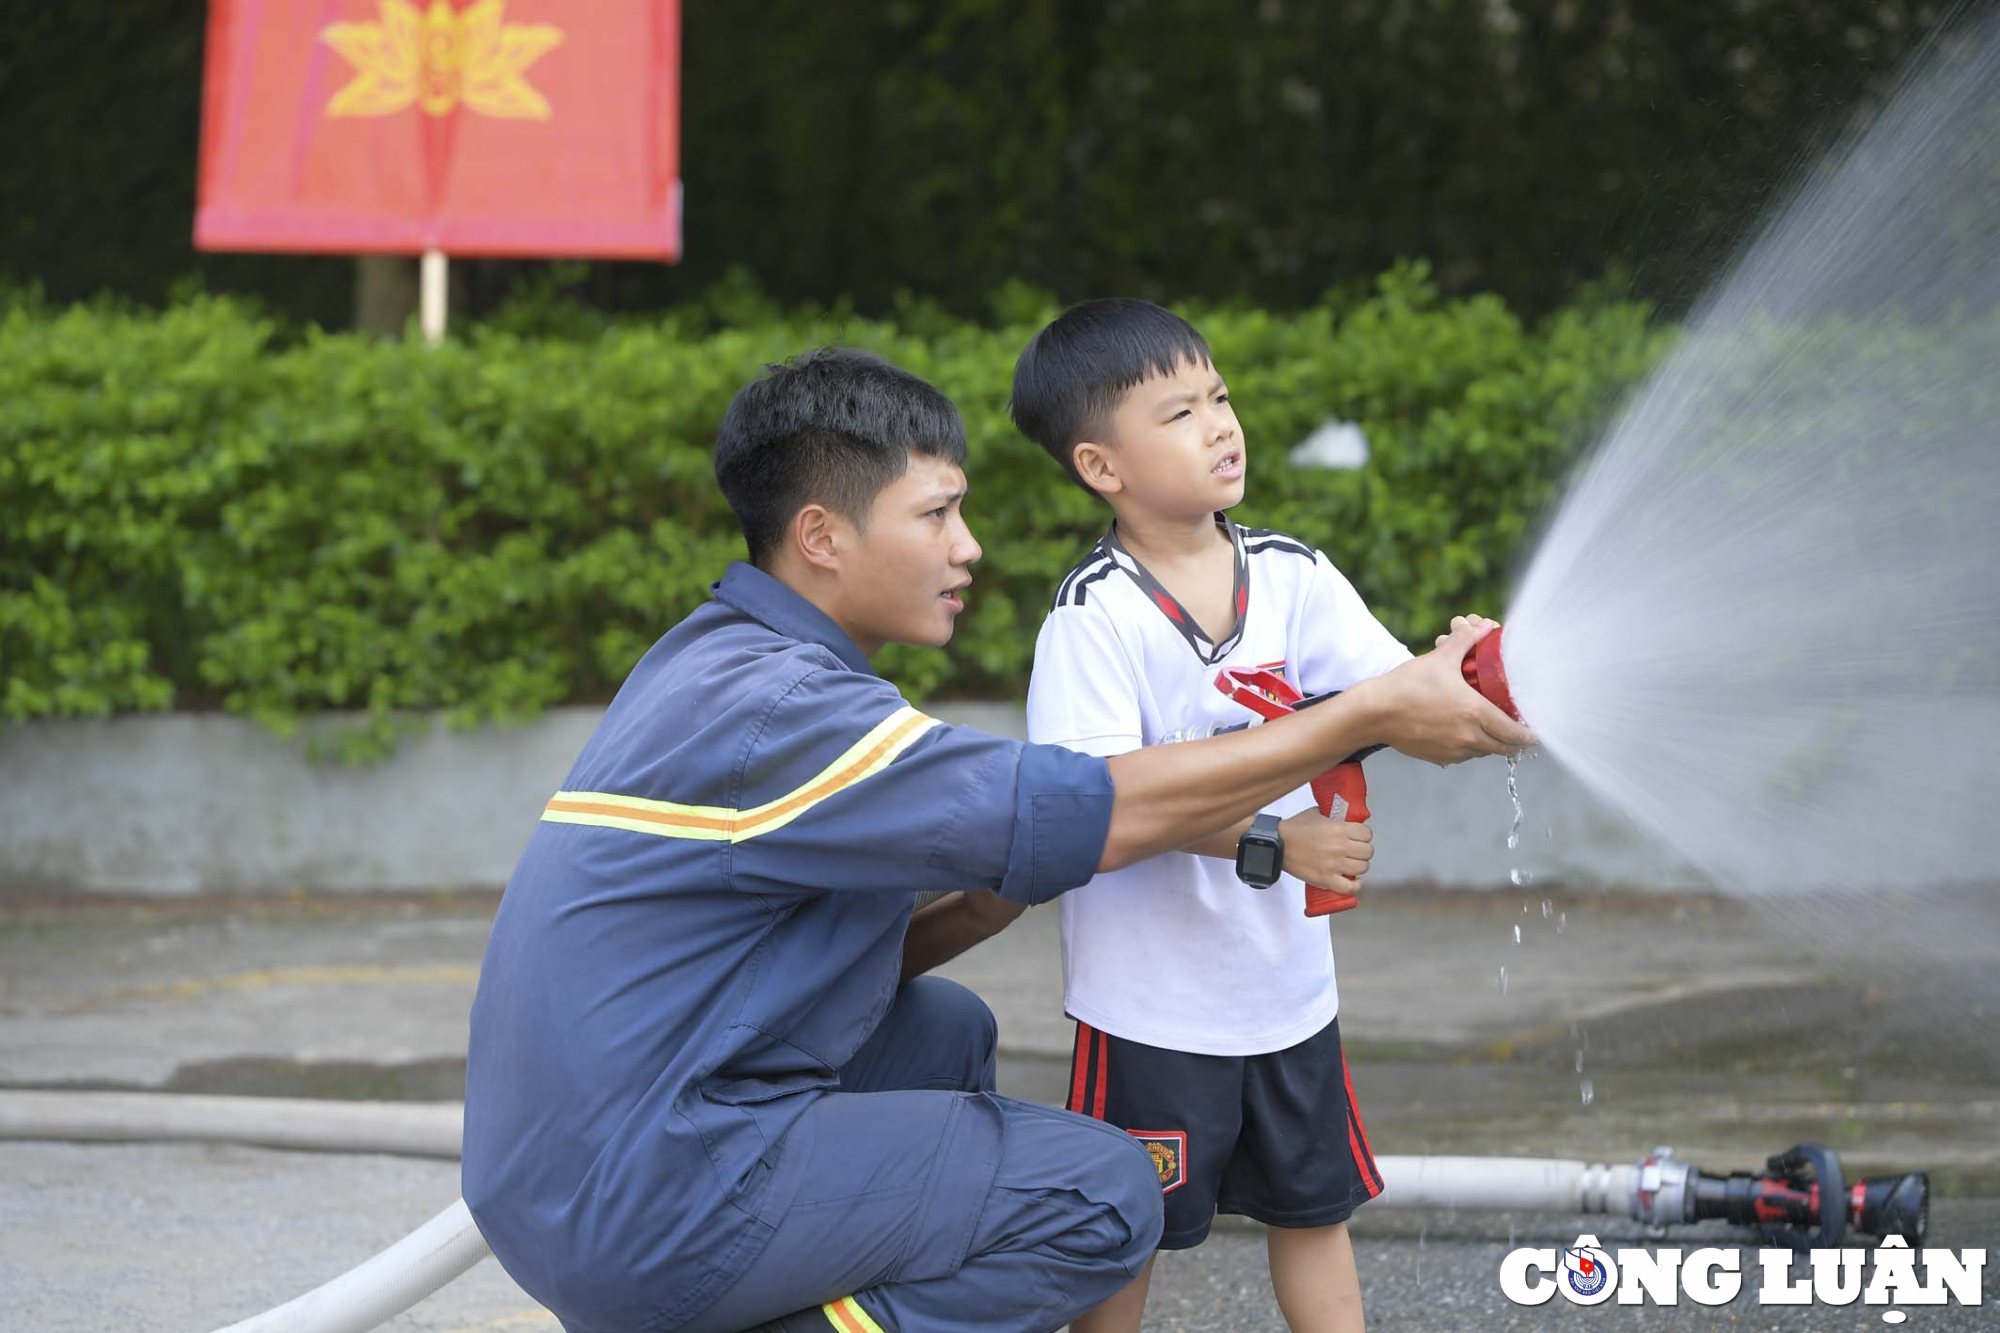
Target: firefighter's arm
[(941, 931)]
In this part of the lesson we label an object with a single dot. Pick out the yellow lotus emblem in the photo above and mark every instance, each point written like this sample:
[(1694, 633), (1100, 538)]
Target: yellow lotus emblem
[(438, 58)]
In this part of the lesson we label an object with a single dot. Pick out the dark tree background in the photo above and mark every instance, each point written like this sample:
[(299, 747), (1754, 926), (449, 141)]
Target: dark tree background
[(1264, 150)]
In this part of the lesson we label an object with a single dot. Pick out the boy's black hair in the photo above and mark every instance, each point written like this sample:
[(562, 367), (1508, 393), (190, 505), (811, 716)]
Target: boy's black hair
[(832, 426), (1078, 369)]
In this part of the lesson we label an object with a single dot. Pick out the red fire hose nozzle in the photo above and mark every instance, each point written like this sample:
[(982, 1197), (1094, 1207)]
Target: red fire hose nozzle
[(1485, 672)]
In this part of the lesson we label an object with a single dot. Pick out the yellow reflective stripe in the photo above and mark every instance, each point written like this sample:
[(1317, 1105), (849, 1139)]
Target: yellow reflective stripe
[(563, 811), (864, 759), (712, 823), (847, 1315)]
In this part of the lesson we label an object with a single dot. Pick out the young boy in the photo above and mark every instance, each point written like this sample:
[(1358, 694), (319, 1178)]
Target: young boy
[(1205, 1009)]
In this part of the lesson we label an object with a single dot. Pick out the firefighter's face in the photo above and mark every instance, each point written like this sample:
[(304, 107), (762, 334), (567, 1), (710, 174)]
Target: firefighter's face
[(913, 560)]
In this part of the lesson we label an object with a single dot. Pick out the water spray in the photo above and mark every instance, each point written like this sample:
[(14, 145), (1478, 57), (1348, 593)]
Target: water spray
[(1767, 599)]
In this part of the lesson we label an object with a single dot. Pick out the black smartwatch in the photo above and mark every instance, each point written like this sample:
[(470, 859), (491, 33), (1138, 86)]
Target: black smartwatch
[(1260, 853)]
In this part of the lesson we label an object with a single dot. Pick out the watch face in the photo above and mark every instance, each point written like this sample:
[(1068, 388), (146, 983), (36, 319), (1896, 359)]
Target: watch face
[(1260, 861)]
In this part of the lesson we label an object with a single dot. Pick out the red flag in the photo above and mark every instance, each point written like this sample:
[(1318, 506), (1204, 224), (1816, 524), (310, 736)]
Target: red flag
[(497, 127)]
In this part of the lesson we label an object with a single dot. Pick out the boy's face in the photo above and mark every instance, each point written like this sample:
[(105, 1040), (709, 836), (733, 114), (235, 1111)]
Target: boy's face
[(912, 562), (1174, 448)]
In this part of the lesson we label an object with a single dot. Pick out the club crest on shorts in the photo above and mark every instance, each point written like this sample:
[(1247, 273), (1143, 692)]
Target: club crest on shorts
[(1168, 1149)]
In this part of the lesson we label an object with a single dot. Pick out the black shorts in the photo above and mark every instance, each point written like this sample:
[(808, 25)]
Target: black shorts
[(1273, 1137)]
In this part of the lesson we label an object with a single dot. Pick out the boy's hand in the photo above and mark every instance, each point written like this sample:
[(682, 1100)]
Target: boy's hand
[(1425, 709), (1329, 853)]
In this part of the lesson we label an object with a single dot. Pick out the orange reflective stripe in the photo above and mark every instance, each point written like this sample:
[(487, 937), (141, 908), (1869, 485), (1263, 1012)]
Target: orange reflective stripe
[(847, 1315)]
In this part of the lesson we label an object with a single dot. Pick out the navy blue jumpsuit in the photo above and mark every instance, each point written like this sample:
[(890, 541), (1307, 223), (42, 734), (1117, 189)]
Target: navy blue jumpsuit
[(696, 1097)]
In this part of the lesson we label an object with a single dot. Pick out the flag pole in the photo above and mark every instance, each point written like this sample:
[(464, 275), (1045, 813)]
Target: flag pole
[(435, 295)]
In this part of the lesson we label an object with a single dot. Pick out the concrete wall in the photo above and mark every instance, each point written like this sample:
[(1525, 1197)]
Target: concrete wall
[(185, 804)]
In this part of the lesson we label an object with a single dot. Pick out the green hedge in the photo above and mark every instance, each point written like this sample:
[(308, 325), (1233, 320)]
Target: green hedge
[(201, 513)]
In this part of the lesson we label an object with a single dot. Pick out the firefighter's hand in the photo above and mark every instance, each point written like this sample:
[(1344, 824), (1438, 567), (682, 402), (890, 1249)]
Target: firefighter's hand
[(1425, 709), (1327, 853), (1475, 622)]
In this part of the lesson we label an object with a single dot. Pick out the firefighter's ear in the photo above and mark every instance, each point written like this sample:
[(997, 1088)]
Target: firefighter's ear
[(817, 533)]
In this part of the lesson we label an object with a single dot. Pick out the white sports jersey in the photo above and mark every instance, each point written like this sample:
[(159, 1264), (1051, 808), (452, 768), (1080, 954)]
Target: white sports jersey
[(1176, 951)]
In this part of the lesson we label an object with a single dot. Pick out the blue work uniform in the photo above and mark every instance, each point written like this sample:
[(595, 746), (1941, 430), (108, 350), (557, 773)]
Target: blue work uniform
[(696, 1096)]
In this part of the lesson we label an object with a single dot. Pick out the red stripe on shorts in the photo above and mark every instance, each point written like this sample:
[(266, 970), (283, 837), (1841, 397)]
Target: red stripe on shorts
[(1079, 1065), (1103, 1073), (1357, 1135)]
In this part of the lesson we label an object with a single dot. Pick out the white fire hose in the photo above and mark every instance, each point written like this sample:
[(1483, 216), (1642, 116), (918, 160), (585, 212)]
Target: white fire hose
[(449, 1244)]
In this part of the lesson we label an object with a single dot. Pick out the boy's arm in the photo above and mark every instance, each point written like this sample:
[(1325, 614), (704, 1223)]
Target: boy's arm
[(1330, 853)]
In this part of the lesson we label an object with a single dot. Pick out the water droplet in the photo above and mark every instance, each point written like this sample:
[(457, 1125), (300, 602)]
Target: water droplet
[(1517, 934), (1503, 981), (1589, 1093), (1545, 909), (1514, 795), (1549, 833), (1562, 919), (1579, 1062), (1515, 876)]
